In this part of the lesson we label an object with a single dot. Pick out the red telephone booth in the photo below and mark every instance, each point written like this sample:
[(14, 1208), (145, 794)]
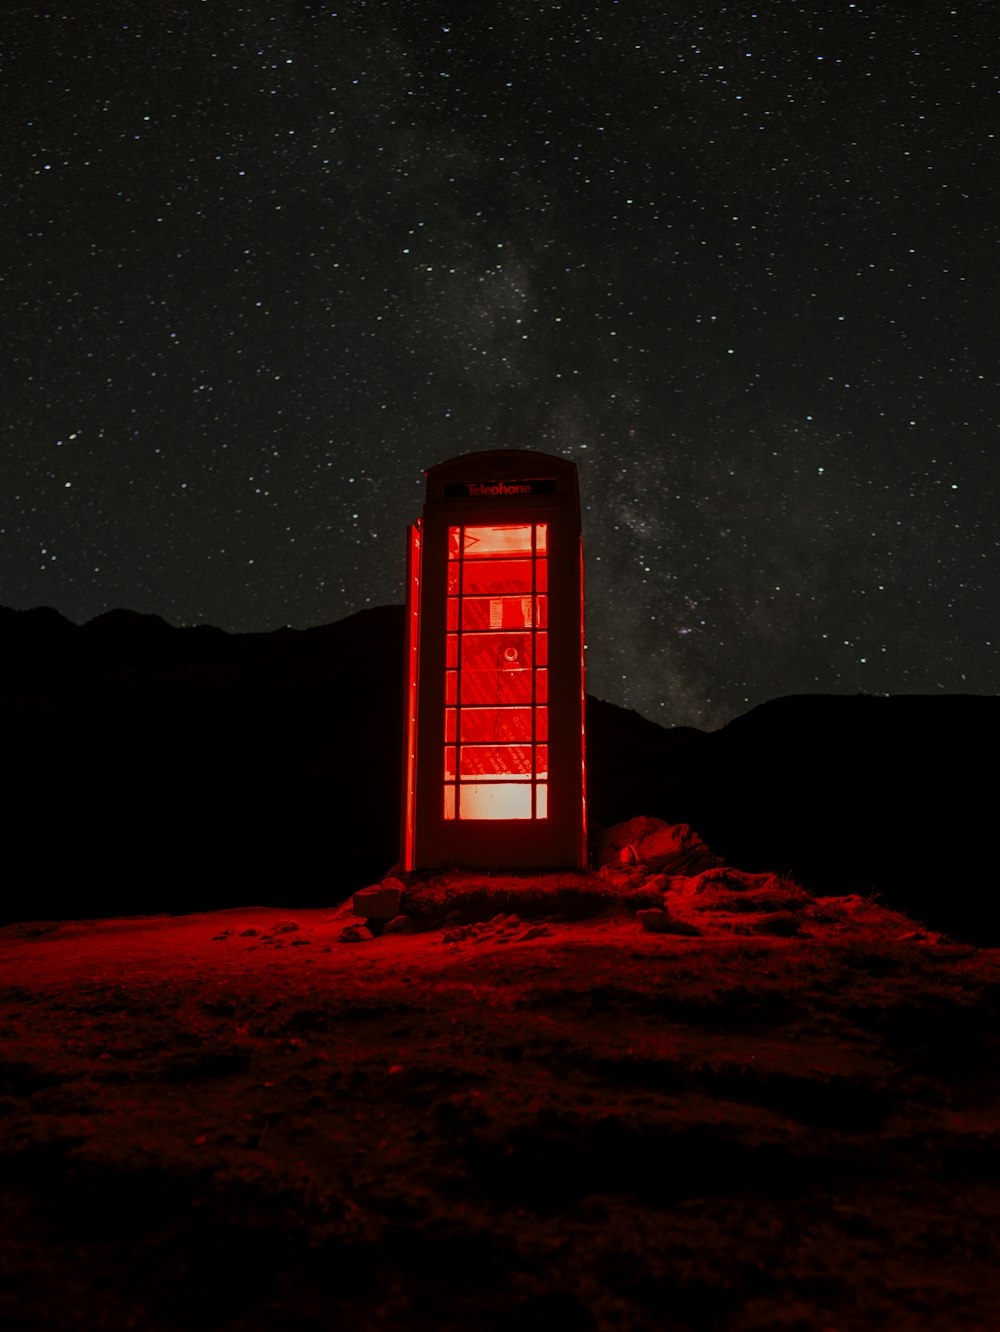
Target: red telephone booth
[(494, 763)]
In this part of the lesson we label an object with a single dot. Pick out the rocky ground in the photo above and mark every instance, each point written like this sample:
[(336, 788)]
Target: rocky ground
[(761, 1110)]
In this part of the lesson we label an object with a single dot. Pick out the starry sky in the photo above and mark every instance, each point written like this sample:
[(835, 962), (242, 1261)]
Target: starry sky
[(263, 262)]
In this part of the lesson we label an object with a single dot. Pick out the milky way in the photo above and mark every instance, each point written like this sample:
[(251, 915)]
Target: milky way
[(263, 263)]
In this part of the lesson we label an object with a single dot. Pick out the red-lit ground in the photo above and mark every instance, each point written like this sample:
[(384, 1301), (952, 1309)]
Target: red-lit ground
[(591, 1128)]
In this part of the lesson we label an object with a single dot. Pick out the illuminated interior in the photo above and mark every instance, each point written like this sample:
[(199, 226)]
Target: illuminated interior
[(496, 673)]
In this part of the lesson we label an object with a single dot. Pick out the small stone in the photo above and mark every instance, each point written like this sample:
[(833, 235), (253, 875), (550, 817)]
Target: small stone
[(286, 927), (378, 901), (249, 934), (535, 932), (354, 934), (661, 922), (398, 925)]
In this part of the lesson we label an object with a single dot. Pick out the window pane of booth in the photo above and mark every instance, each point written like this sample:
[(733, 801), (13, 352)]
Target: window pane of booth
[(499, 653), (481, 542), (495, 688), (495, 800), (499, 762), (497, 725), (495, 576), (497, 612)]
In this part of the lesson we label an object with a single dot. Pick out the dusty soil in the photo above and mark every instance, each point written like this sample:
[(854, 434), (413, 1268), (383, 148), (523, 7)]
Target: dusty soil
[(232, 1121)]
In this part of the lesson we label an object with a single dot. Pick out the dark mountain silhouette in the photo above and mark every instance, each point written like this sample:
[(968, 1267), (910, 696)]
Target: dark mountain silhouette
[(161, 769)]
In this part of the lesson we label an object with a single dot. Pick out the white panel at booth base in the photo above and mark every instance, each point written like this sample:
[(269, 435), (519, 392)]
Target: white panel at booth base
[(500, 800)]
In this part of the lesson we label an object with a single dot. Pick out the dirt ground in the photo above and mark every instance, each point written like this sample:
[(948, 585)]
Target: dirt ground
[(233, 1121)]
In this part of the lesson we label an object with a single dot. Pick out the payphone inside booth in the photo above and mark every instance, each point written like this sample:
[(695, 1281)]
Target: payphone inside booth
[(494, 737)]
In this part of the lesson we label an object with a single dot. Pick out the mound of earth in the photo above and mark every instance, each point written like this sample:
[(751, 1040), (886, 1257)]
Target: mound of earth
[(236, 1122)]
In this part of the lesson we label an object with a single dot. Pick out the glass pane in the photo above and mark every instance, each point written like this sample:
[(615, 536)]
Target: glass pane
[(496, 613), (508, 725), (496, 761), (541, 575), (542, 649), (495, 800), (498, 576), (481, 542), (496, 652), (451, 687), (541, 801), (541, 723), (542, 538), (493, 688), (453, 580), (542, 686), (453, 539), (542, 760), (449, 763), (450, 724), (452, 613), (451, 651), (449, 802), (542, 612)]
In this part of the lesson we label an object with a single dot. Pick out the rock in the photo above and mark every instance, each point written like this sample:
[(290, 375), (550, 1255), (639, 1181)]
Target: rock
[(249, 933), (656, 883), (657, 846), (662, 922), (919, 936), (354, 934), (379, 901), (535, 932), (398, 925)]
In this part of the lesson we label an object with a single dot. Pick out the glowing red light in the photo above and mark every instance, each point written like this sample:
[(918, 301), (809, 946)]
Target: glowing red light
[(495, 679)]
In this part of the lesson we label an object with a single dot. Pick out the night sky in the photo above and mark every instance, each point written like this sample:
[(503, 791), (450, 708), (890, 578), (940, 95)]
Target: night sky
[(264, 262)]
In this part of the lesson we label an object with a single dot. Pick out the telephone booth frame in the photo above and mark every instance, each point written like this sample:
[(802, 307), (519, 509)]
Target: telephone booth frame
[(494, 763)]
